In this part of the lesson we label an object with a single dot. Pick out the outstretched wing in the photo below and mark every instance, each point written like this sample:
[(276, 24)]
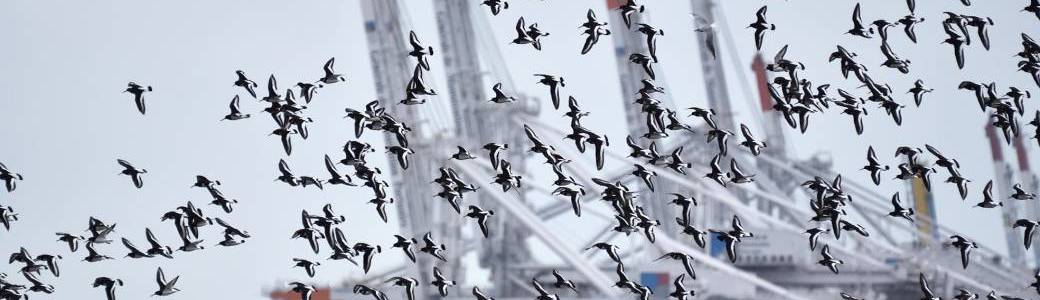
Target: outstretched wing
[(160, 278), (332, 62), (330, 166), (284, 167), (761, 14)]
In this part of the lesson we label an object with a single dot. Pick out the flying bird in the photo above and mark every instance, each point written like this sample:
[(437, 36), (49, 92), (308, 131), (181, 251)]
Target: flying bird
[(761, 25), (138, 92)]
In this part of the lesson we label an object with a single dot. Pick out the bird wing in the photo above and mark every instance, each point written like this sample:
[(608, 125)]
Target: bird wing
[(735, 169), (780, 54), (330, 166), (521, 27), (160, 278), (224, 224), (332, 61), (138, 181), (746, 132), (284, 167), (234, 105), (924, 286), (761, 14), (151, 238), (895, 202), (871, 156), (413, 39), (305, 218), (130, 245), (532, 136), (886, 50), (857, 21), (826, 252), (272, 85), (125, 163), (327, 209)]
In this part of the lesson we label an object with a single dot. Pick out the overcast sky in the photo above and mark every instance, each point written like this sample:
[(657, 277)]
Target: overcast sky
[(65, 64)]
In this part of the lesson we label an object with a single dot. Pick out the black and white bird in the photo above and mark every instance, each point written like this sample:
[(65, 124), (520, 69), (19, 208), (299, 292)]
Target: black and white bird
[(133, 172), (680, 291), (441, 282), (684, 258), (236, 112), (919, 90), (874, 166), (9, 177), (630, 7), (754, 145), (479, 295), (594, 29), (554, 83), (166, 287), (829, 261), (651, 34), (1030, 229), (155, 247), (71, 240), (330, 74), (245, 83), (610, 249), (542, 293), (364, 290), (500, 96), (431, 247), (857, 25), (898, 211), (909, 22), (814, 236), (964, 246), (925, 289), (481, 216), (408, 284), (306, 291), (761, 25), (309, 266), (496, 7), (1018, 193), (138, 91), (109, 284), (562, 282), (987, 197), (368, 253)]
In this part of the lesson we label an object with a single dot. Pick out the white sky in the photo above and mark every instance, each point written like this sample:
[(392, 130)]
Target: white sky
[(65, 64)]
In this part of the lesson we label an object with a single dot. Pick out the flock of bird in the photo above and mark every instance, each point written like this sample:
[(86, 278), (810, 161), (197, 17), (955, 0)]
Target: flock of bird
[(795, 99)]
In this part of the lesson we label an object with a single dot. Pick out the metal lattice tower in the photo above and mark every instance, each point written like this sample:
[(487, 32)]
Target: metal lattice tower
[(456, 22), (627, 42), (714, 77), (420, 212), (1029, 182), (774, 210), (1003, 180)]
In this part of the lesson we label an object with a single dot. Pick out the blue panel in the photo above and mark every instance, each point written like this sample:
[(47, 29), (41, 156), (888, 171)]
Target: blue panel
[(654, 280), (718, 248)]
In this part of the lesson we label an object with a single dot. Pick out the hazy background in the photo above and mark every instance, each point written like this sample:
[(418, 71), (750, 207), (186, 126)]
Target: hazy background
[(65, 63)]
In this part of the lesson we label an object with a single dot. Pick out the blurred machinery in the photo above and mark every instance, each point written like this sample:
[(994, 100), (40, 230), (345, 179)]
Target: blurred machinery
[(776, 264)]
